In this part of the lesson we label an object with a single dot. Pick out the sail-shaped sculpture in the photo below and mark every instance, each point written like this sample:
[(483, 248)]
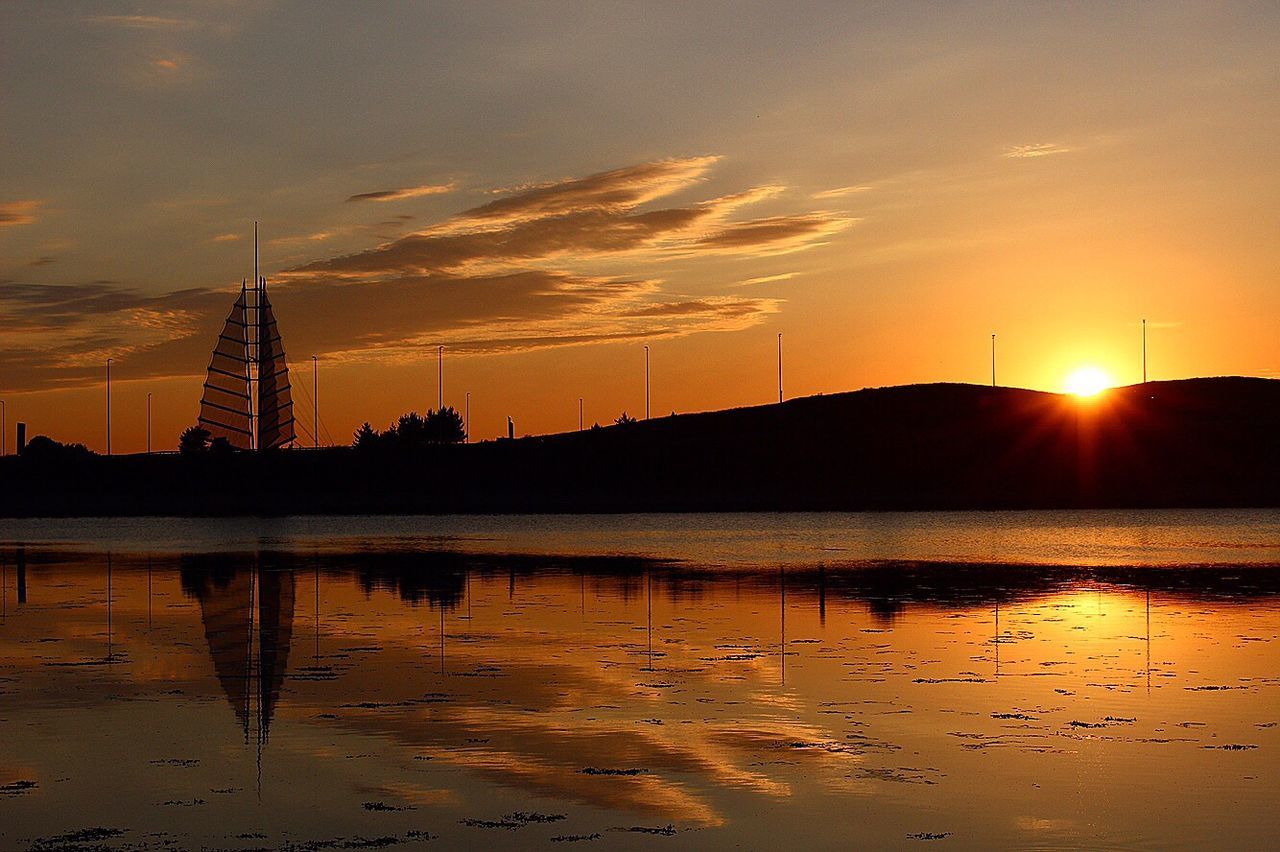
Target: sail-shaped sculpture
[(247, 399), (247, 613), (224, 406), (275, 400)]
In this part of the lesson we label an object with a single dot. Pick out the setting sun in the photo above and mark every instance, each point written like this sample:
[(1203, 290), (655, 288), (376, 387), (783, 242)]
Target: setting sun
[(1088, 381)]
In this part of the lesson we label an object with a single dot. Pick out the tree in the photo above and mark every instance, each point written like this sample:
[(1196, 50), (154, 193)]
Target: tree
[(409, 431), (194, 439), (367, 438), (624, 419), (45, 449), (445, 426)]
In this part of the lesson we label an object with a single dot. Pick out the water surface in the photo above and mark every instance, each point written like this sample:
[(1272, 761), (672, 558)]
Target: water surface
[(731, 681)]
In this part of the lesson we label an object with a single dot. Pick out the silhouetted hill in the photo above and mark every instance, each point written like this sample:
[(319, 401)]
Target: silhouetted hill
[(1196, 442)]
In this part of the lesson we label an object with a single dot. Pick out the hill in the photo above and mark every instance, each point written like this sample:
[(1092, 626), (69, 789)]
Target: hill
[(1195, 442)]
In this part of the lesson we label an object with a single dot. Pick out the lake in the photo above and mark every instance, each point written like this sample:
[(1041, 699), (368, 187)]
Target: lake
[(959, 680)]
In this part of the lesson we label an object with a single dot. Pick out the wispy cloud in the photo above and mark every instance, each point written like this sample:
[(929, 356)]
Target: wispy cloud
[(1039, 149), (142, 22), (225, 238), (768, 279), (405, 192), (18, 212), (841, 191)]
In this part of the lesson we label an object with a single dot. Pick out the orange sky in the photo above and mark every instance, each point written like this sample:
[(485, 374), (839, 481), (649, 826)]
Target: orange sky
[(545, 193)]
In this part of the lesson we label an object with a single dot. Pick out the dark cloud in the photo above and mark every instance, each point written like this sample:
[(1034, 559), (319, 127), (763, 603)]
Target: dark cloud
[(404, 192)]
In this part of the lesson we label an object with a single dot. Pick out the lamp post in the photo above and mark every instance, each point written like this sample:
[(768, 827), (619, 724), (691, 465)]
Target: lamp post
[(1144, 352), (579, 414), (148, 424), (779, 367), (467, 439), (4, 431), (993, 360), (439, 378), (646, 381), (315, 401), (108, 406)]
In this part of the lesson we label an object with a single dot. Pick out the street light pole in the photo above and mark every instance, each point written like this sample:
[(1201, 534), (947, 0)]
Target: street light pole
[(439, 378), (579, 414), (4, 431), (468, 424), (315, 401), (993, 360), (1144, 352), (148, 424), (108, 406), (779, 367), (646, 381)]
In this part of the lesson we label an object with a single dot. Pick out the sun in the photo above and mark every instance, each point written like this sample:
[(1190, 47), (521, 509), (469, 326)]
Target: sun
[(1088, 381)]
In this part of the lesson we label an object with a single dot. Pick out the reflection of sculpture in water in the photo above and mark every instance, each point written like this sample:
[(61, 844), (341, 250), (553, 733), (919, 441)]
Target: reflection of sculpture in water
[(248, 623)]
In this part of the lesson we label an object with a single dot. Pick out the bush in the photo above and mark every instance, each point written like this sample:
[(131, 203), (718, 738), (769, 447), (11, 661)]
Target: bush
[(194, 439)]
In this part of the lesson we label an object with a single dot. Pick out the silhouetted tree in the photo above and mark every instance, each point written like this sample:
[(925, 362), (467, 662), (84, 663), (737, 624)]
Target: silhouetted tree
[(367, 438), (445, 426), (409, 431), (221, 446), (194, 439), (624, 419), (44, 448)]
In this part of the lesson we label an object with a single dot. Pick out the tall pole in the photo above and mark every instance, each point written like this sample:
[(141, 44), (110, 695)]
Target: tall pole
[(579, 414), (4, 431), (646, 381), (148, 424), (439, 378), (993, 360), (779, 367), (108, 406), (468, 422), (315, 401), (1144, 352)]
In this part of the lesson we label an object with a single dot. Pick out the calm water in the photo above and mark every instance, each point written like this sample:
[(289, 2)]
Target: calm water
[(1082, 679)]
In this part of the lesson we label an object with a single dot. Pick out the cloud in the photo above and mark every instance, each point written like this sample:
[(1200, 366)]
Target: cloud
[(18, 212), (1040, 149), (840, 191), (142, 22), (776, 234), (767, 279), (225, 238), (566, 263), (43, 261), (405, 192), (582, 219)]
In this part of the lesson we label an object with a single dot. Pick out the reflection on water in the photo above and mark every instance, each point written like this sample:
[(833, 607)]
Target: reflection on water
[(386, 693)]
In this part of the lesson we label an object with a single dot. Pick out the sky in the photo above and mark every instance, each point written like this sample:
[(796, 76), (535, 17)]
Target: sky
[(544, 190)]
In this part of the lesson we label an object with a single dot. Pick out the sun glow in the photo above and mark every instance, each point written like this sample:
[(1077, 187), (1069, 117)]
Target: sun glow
[(1088, 381)]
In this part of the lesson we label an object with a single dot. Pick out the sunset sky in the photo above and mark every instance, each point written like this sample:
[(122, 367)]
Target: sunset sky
[(543, 190)]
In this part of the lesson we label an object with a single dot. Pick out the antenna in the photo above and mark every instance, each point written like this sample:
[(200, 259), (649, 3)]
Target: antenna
[(255, 250), (993, 360)]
